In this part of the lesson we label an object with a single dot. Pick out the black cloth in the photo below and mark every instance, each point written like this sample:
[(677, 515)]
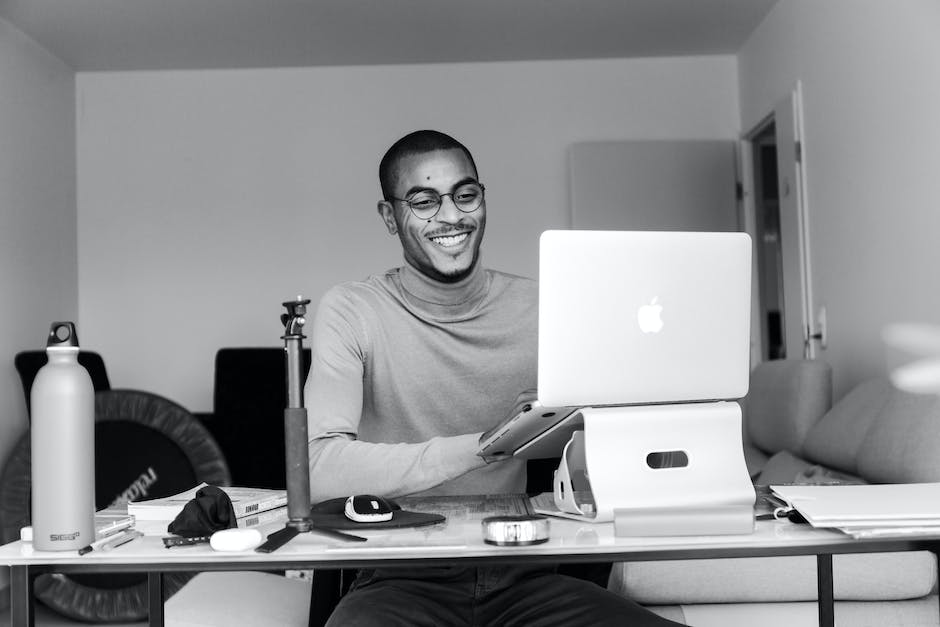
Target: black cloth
[(209, 511)]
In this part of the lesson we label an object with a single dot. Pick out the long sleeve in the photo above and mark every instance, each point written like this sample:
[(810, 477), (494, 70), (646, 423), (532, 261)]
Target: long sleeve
[(387, 469), (340, 463), (398, 393)]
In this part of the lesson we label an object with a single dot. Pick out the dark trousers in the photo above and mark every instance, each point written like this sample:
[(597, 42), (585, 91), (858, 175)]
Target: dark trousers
[(484, 597)]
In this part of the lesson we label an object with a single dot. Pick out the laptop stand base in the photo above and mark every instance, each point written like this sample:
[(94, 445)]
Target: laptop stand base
[(657, 468)]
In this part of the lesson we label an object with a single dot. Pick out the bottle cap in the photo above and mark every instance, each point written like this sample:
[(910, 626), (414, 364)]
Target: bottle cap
[(62, 335)]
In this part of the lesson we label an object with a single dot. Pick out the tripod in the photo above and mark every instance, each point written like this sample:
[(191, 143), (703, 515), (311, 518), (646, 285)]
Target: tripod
[(295, 438)]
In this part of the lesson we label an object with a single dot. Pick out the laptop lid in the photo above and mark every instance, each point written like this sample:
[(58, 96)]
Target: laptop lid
[(629, 317)]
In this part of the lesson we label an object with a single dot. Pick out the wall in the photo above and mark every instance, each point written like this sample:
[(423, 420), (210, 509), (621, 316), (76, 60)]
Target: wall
[(208, 198), (38, 278), (871, 90)]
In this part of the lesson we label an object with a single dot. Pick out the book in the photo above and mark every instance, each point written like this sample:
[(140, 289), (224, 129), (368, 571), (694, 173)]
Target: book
[(278, 514), (261, 519), (245, 501)]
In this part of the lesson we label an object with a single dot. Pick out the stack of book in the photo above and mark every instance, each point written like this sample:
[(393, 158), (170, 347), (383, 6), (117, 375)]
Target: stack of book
[(868, 511), (253, 507)]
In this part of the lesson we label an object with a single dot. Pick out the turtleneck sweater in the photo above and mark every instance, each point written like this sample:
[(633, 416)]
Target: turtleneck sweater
[(407, 372)]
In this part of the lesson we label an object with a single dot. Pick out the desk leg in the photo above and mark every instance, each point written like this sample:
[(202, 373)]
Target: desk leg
[(155, 599), (22, 605), (827, 611)]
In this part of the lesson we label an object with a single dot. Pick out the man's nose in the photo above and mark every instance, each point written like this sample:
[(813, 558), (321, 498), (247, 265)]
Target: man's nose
[(448, 211)]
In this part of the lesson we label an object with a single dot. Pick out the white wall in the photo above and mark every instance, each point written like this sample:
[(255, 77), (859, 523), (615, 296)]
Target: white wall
[(37, 212), (38, 278), (208, 198), (870, 72)]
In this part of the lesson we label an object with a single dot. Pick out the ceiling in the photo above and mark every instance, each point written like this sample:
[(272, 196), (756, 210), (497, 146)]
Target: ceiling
[(107, 35)]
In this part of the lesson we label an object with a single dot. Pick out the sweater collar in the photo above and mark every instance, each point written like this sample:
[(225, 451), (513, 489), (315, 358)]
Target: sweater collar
[(443, 299)]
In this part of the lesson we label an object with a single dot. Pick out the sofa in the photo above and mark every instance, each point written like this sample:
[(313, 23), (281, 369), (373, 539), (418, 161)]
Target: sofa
[(874, 434)]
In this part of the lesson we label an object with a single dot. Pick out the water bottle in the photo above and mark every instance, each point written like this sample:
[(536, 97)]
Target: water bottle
[(62, 437)]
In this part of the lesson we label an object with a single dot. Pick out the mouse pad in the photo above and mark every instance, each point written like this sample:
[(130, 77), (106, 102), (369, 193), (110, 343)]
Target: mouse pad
[(330, 513)]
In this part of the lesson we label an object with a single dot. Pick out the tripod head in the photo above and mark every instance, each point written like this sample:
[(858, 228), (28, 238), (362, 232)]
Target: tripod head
[(294, 320), (293, 337)]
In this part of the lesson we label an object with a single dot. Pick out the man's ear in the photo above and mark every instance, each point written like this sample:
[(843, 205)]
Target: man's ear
[(387, 211)]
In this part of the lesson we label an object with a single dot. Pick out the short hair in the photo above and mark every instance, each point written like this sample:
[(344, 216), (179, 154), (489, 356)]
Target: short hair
[(415, 143)]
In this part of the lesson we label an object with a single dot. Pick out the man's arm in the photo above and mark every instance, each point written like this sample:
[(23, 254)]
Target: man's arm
[(340, 464)]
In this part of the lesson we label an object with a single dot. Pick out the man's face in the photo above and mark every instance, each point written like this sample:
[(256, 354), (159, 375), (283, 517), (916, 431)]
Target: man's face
[(445, 247)]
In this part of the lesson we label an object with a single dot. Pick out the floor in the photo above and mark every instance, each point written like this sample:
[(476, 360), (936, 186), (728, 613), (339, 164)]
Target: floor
[(47, 618), (217, 599)]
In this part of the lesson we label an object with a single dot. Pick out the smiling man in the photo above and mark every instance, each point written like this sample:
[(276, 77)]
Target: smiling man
[(409, 368), (443, 247)]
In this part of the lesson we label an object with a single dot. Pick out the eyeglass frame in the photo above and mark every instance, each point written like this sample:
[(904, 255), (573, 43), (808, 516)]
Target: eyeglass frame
[(440, 199)]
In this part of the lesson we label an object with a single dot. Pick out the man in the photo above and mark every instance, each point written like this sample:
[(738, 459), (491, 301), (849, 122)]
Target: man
[(409, 368)]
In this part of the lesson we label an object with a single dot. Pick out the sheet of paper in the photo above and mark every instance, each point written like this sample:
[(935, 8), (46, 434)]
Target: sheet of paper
[(472, 507)]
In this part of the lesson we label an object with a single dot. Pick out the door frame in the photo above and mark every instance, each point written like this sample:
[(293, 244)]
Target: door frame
[(800, 340)]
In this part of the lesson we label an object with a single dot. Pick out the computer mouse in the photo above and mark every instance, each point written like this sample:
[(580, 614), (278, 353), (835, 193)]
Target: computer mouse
[(367, 508)]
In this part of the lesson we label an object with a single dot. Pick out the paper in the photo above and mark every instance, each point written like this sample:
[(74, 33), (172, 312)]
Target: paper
[(471, 507)]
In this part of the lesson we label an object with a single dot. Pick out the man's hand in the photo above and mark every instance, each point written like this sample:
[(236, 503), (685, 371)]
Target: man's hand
[(523, 404)]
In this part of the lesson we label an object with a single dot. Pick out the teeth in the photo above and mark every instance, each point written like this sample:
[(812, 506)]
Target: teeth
[(450, 240)]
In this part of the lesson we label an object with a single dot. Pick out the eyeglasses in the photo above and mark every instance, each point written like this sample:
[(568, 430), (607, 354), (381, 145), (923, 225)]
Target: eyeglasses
[(425, 204)]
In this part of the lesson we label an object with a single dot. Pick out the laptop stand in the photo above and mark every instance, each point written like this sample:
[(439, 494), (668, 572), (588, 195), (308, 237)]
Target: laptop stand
[(658, 470)]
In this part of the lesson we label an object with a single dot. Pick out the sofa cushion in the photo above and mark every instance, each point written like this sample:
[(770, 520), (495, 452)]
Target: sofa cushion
[(834, 441), (785, 399), (755, 460), (785, 467), (913, 613), (903, 445), (861, 577)]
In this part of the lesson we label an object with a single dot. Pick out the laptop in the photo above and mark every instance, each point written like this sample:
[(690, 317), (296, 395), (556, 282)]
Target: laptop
[(632, 318)]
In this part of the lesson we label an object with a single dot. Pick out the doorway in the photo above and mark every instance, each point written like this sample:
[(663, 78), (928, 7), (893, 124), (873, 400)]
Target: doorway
[(767, 246)]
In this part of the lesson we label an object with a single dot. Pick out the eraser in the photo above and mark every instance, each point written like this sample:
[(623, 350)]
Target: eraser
[(235, 539), (26, 534)]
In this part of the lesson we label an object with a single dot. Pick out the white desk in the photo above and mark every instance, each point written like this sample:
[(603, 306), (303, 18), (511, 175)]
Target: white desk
[(454, 541)]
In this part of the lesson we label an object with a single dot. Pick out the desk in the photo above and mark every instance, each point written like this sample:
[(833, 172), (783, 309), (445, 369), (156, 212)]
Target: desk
[(454, 541)]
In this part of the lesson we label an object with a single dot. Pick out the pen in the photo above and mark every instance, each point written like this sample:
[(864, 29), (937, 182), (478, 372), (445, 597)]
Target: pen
[(110, 542)]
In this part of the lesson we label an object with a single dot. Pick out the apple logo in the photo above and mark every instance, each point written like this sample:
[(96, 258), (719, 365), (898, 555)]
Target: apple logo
[(649, 317)]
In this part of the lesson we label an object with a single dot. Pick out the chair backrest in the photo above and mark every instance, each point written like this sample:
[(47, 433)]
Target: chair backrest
[(28, 363), (249, 399)]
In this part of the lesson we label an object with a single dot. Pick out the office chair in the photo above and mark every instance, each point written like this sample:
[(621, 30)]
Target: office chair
[(247, 420), (28, 363)]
